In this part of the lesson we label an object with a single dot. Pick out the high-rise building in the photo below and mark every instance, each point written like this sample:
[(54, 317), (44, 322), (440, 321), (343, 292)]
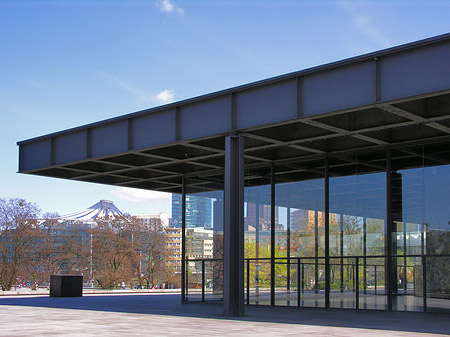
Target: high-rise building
[(264, 216), (198, 211)]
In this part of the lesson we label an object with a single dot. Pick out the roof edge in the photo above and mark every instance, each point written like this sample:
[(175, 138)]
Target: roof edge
[(173, 105)]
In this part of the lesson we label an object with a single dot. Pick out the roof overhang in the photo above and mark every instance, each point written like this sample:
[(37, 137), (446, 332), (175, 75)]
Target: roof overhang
[(351, 110)]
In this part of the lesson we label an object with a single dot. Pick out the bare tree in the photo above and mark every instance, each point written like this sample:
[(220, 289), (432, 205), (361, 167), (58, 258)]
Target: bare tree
[(59, 249), (150, 242), (18, 232), (113, 253)]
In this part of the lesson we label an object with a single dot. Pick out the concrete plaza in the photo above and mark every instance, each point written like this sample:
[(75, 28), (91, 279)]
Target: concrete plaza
[(164, 315)]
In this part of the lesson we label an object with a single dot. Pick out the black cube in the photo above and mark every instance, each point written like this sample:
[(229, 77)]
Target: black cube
[(66, 285)]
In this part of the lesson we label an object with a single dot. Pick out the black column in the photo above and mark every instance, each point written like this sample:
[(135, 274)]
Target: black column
[(233, 294), (288, 247), (258, 263), (327, 235), (341, 250), (396, 218), (272, 236), (183, 240), (388, 231), (316, 252), (394, 206)]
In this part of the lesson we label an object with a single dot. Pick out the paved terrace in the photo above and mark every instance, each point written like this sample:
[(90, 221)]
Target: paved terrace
[(164, 315)]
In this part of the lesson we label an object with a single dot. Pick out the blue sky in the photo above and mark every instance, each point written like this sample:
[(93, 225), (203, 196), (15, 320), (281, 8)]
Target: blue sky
[(65, 63)]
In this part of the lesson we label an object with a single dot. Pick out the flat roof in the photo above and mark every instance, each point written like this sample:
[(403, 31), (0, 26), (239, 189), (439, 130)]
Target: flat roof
[(351, 110)]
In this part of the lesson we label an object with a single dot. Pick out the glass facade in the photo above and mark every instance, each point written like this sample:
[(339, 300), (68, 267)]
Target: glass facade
[(203, 237), (360, 231)]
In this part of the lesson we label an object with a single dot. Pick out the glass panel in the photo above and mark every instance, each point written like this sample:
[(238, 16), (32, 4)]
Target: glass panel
[(357, 232), (437, 235), (204, 242), (300, 238), (283, 269), (422, 227), (407, 233), (257, 242)]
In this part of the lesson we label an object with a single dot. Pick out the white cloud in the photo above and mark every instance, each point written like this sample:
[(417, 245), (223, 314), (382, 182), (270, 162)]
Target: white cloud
[(141, 95), (169, 7), (364, 22), (134, 195), (165, 96)]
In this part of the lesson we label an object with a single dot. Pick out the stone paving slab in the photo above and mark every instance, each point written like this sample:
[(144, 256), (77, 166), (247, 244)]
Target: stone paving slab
[(163, 315)]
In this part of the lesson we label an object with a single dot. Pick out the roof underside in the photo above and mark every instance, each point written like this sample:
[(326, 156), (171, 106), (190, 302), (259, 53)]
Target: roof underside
[(351, 110)]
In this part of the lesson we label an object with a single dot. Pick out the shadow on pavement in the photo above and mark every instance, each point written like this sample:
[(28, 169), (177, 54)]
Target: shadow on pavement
[(169, 304)]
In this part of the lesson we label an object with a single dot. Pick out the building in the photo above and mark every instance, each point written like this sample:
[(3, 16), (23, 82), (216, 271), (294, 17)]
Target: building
[(173, 244), (198, 211), (159, 219), (362, 143), (199, 243), (264, 216)]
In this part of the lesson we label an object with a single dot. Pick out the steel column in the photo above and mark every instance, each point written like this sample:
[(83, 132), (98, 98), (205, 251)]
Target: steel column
[(288, 247), (341, 246), (316, 252), (183, 239), (299, 288), (272, 235), (388, 231), (327, 235), (233, 294), (364, 255)]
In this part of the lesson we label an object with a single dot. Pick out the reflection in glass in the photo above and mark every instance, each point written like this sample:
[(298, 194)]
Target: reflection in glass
[(300, 238), (357, 234), (257, 243), (204, 244)]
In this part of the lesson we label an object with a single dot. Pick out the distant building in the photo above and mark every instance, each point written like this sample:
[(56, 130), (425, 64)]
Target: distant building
[(173, 246), (154, 219), (199, 243), (264, 216), (198, 211)]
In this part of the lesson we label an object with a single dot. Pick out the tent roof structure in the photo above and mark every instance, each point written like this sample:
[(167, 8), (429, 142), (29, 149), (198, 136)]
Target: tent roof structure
[(103, 210)]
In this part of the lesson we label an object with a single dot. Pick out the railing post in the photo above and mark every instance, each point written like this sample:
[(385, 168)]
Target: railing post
[(303, 277), (203, 280), (357, 282), (183, 240), (353, 276), (299, 285), (375, 279), (248, 281), (187, 279), (424, 282)]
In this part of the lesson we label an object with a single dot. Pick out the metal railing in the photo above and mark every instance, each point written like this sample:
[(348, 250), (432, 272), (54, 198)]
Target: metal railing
[(357, 274)]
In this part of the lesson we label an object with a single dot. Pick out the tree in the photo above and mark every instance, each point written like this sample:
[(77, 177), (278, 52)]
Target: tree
[(150, 242), (18, 232), (58, 250), (112, 253)]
